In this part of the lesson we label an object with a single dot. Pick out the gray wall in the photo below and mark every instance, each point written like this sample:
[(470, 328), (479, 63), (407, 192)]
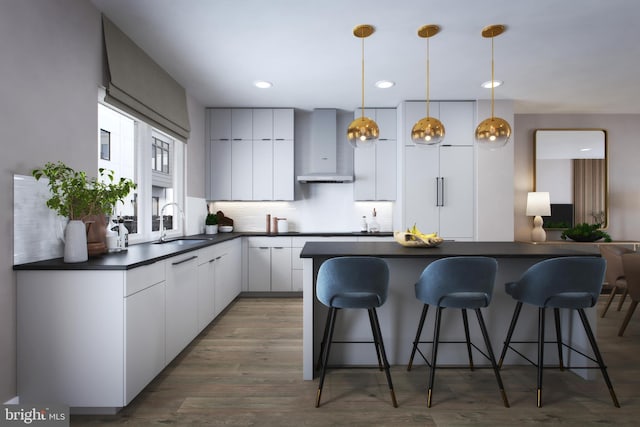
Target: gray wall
[(51, 68)]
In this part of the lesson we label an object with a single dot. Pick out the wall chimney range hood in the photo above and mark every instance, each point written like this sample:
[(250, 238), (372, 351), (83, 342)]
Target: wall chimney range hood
[(323, 161)]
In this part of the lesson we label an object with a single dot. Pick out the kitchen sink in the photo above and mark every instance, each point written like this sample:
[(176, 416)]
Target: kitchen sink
[(181, 242)]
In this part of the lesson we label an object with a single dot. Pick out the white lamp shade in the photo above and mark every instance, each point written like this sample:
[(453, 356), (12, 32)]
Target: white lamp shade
[(538, 204)]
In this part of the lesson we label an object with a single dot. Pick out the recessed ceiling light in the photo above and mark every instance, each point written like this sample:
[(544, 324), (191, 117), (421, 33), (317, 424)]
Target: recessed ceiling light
[(487, 84), (262, 84), (384, 84)]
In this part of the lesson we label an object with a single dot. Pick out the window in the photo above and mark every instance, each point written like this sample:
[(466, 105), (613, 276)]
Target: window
[(132, 143), (105, 145)]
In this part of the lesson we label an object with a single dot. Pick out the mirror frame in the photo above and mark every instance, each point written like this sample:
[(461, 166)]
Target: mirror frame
[(605, 222)]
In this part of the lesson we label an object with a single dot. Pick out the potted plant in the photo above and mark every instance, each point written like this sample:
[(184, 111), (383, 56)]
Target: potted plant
[(211, 224), (82, 200), (585, 233)]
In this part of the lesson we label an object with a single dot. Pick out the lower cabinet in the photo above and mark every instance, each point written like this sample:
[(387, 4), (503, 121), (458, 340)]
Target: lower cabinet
[(95, 338), (269, 264), (181, 303)]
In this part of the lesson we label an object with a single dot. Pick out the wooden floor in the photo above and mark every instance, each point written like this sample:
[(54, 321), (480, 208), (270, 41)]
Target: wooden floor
[(246, 369)]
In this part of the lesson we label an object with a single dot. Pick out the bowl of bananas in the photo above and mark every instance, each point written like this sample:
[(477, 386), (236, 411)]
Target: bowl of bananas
[(413, 237)]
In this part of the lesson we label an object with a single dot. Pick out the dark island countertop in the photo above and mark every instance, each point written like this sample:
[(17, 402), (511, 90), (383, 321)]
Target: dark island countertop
[(445, 249), (149, 252)]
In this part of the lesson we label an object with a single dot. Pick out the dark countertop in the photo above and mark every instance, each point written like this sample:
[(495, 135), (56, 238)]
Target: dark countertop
[(446, 249), (147, 253)]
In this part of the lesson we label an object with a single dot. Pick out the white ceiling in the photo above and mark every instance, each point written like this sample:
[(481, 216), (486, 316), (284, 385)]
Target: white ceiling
[(557, 56)]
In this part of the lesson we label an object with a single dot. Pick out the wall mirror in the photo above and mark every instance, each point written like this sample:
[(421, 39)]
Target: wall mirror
[(571, 164)]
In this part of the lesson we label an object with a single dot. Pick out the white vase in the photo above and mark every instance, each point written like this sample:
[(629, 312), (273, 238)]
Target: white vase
[(211, 229), (75, 242)]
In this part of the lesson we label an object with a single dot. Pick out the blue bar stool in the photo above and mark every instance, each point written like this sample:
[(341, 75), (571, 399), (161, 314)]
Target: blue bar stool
[(570, 282), (464, 282), (353, 282)]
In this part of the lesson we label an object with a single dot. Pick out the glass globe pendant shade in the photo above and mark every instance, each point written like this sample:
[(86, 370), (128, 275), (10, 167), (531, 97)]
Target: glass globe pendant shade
[(493, 132), (428, 131), (363, 132)]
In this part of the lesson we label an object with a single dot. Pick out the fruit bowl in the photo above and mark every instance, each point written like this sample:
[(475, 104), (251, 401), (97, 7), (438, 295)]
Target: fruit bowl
[(225, 228), (415, 240)]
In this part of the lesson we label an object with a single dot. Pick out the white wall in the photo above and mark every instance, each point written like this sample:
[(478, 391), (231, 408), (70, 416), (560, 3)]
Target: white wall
[(51, 67)]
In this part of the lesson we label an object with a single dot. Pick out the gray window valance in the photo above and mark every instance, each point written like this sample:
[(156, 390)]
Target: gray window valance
[(139, 86)]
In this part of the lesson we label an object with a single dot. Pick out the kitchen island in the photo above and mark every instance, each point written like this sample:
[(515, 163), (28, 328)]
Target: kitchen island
[(399, 315)]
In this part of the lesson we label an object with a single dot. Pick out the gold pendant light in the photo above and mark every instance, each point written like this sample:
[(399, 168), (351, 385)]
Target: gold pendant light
[(363, 131), (428, 130), (493, 132)]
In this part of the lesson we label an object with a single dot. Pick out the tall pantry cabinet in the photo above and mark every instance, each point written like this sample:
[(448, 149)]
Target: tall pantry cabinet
[(438, 182)]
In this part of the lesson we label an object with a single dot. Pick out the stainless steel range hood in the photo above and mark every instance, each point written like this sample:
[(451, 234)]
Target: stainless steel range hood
[(323, 161)]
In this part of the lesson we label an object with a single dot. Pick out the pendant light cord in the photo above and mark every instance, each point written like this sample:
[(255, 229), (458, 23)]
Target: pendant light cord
[(362, 36), (428, 77), (493, 82)]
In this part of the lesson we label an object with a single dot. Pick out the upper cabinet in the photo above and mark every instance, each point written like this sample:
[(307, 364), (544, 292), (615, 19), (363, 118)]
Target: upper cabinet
[(250, 154), (375, 167)]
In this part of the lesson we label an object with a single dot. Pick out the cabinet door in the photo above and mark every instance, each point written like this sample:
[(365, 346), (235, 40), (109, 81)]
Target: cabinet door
[(456, 212), (259, 269), (421, 171), (458, 120), (145, 338), (181, 303), (242, 170), (228, 275), (281, 269), (283, 178), (241, 124), (385, 166), (219, 124), (364, 168), (283, 124), (219, 170), (386, 119), (262, 124), (262, 170), (206, 291)]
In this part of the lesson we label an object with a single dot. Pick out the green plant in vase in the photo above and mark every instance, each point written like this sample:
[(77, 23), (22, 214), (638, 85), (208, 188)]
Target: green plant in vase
[(78, 197), (211, 223)]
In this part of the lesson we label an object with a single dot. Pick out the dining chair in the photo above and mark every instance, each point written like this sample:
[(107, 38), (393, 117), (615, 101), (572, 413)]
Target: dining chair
[(614, 275), (631, 265)]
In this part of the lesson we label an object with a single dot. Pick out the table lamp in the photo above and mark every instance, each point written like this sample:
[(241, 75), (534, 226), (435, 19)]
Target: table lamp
[(538, 204)]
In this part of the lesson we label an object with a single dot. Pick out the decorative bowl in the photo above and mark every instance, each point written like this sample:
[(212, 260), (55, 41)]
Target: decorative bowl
[(415, 241), (225, 228)]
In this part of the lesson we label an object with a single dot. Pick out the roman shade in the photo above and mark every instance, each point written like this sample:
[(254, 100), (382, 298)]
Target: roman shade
[(139, 86)]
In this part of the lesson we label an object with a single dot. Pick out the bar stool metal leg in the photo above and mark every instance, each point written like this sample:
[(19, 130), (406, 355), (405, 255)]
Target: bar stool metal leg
[(596, 352), (324, 339), (383, 354), (556, 315), (465, 321), (541, 313), (434, 355), (327, 348), (492, 357), (377, 344), (423, 317), (512, 326)]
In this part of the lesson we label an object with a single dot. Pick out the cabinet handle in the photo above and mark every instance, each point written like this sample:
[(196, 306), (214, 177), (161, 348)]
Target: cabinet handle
[(218, 257), (263, 247), (442, 196), (278, 247), (184, 260), (212, 260), (280, 139), (437, 191), (266, 139), (237, 139)]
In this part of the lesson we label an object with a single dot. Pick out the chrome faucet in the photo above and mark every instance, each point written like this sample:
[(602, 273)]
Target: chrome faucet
[(163, 232)]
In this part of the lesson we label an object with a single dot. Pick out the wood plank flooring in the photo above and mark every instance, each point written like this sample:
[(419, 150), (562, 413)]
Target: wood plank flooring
[(246, 369)]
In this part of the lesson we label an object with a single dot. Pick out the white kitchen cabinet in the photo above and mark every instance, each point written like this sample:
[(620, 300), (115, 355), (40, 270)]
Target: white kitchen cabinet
[(207, 258), (242, 170), (241, 124), (438, 187), (145, 332), (228, 274), (458, 118), (252, 157), (375, 167), (269, 264), (181, 302), (263, 169)]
